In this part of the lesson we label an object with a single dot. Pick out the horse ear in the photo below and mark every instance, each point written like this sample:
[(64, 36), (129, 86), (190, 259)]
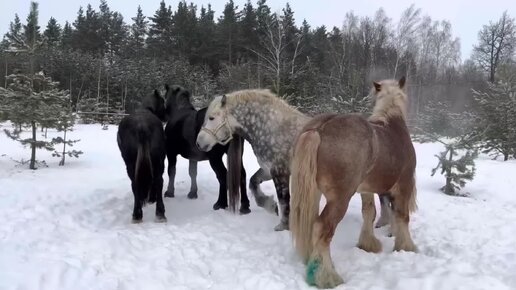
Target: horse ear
[(377, 86), (401, 82), (157, 94), (223, 101), (167, 87)]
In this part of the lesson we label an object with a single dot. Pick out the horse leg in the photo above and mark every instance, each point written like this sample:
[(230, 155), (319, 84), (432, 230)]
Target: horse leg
[(281, 182), (192, 171), (244, 200), (320, 270), (157, 188), (220, 171), (401, 198), (262, 200), (137, 210), (367, 240), (172, 160), (385, 211)]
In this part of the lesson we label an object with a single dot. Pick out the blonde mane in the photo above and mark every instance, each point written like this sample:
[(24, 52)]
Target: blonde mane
[(391, 101)]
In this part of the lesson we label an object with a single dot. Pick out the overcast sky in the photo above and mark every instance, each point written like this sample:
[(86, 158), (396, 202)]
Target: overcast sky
[(466, 16)]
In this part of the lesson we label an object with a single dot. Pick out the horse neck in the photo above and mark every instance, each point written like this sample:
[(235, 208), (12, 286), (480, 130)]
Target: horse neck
[(259, 120)]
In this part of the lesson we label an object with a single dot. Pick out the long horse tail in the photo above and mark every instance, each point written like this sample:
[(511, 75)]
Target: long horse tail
[(305, 194), (234, 155), (143, 171)]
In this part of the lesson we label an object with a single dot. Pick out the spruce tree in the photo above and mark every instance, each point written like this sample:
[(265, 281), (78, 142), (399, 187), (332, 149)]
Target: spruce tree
[(206, 51), (228, 32), (14, 36), (66, 36), (452, 130), (31, 29), (33, 100), (52, 33), (249, 30), (160, 38), (496, 125), (138, 33)]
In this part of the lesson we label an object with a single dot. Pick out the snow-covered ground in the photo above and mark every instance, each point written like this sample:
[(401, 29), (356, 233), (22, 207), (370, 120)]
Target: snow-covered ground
[(69, 228)]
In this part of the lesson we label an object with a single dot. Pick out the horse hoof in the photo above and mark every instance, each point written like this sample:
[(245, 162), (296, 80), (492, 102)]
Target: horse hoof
[(245, 210), (281, 227), (160, 219), (192, 195), (322, 277), (218, 206), (136, 221), (169, 194)]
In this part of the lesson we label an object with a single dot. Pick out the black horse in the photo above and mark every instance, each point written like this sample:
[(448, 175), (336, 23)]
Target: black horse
[(183, 124), (141, 141)]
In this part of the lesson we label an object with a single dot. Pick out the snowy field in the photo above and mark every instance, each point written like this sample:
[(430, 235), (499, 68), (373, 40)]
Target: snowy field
[(69, 228)]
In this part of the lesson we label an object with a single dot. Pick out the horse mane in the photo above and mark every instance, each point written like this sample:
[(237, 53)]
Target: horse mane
[(262, 96), (391, 101)]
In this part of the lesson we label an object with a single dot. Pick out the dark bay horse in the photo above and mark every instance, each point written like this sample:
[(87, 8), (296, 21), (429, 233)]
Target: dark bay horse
[(141, 141), (183, 125), (337, 155)]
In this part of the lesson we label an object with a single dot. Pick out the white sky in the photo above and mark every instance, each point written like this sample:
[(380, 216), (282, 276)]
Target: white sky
[(467, 17)]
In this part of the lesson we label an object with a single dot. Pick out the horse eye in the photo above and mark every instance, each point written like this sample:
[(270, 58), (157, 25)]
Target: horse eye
[(211, 118)]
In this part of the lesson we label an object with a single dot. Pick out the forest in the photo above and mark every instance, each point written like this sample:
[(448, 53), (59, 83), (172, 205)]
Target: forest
[(103, 64)]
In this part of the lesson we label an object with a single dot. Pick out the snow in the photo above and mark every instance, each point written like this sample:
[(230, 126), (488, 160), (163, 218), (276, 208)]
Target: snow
[(69, 228)]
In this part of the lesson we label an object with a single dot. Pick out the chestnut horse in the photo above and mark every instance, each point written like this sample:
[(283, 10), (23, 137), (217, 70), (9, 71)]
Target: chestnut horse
[(338, 155)]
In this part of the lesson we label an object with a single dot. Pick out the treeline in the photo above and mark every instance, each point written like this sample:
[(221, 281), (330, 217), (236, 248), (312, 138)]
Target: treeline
[(108, 63)]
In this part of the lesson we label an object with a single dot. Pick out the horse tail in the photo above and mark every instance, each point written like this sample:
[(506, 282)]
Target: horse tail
[(234, 155), (143, 172), (412, 203), (305, 194)]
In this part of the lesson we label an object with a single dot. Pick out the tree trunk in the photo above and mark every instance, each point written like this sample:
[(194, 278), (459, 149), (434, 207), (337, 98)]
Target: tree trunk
[(33, 147), (449, 187), (62, 162), (505, 156), (5, 79)]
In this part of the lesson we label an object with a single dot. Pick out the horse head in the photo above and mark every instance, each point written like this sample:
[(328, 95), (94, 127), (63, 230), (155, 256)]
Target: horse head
[(177, 98), (390, 100), (156, 104), (216, 127)]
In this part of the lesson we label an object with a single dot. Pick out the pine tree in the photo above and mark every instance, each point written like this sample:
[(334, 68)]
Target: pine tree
[(263, 17), (52, 33), (207, 29), (66, 36), (31, 29), (185, 29), (160, 36), (496, 126), (249, 30), (33, 100), (87, 35), (14, 36), (138, 33), (228, 32), (64, 122), (456, 137)]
